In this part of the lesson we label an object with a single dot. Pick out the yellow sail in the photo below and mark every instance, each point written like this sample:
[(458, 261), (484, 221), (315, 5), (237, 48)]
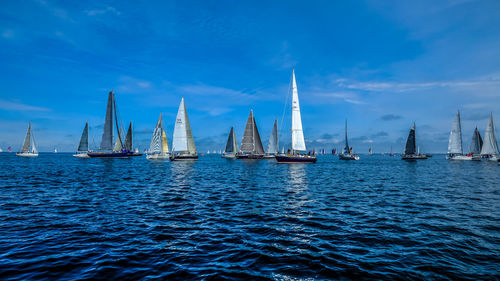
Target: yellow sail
[(164, 141)]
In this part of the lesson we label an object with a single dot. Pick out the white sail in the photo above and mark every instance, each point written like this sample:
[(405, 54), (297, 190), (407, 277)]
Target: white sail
[(183, 137), (298, 142), (455, 141), (490, 146), (272, 146)]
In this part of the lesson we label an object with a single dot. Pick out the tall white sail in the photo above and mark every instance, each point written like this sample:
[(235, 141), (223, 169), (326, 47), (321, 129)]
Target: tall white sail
[(455, 141), (183, 137), (298, 142), (490, 146)]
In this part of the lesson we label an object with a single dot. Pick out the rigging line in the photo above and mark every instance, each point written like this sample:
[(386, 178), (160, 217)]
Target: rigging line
[(284, 108)]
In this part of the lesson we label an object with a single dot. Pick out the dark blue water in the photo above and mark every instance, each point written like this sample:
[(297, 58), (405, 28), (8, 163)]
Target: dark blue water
[(215, 219)]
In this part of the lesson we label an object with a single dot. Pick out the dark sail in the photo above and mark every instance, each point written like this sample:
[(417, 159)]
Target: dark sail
[(477, 142), (230, 141), (84, 140), (411, 147), (107, 135), (27, 140), (128, 138), (251, 142)]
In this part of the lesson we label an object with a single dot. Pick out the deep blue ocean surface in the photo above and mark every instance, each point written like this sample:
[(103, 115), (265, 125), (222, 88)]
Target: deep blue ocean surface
[(128, 219)]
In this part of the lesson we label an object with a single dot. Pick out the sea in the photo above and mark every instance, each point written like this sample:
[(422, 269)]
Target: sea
[(379, 218)]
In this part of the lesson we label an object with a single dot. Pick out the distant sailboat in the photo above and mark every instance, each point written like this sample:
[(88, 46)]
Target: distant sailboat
[(391, 154), (1, 150), (231, 146), (29, 147), (55, 149), (251, 145), (347, 153), (129, 141), (334, 151), (107, 150), (158, 148), (490, 146), (298, 142), (411, 152), (455, 150), (370, 152), (83, 146), (183, 147), (272, 145)]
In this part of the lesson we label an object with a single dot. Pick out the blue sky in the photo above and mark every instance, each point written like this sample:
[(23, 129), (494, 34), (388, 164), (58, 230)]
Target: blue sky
[(380, 65)]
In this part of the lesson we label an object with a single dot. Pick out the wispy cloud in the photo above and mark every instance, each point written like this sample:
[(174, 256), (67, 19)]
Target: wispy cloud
[(17, 106), (390, 117), (133, 85), (97, 12), (335, 97)]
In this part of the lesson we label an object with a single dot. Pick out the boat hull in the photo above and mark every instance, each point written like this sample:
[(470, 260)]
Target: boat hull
[(464, 158), (183, 157), (249, 156), (135, 154), (158, 156), (229, 156), (291, 159), (29, 154), (81, 155), (348, 157), (269, 156), (411, 157), (109, 154)]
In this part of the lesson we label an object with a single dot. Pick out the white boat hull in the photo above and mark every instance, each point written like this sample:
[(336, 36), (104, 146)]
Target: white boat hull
[(158, 156), (229, 156), (463, 158), (27, 154), (81, 155)]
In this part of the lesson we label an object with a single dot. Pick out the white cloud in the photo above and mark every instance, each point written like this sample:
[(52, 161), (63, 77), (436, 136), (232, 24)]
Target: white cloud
[(97, 12), (16, 106)]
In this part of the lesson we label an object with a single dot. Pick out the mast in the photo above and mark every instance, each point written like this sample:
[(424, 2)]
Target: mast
[(346, 142), (411, 142), (455, 141), (84, 140), (272, 146), (490, 146), (107, 134), (298, 143)]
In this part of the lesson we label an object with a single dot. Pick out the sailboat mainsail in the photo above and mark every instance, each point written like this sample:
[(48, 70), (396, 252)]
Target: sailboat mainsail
[(128, 145), (476, 143), (158, 148), (298, 143), (251, 142), (490, 146), (231, 145), (84, 140), (346, 148), (27, 140), (411, 147), (107, 135), (183, 141), (272, 146), (164, 142), (455, 141)]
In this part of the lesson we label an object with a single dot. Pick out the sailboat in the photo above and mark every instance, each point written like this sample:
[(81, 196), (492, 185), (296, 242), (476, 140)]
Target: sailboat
[(251, 145), (455, 151), (391, 154), (129, 141), (83, 147), (183, 147), (370, 152), (490, 146), (231, 146), (411, 152), (29, 146), (334, 151), (298, 142), (272, 145), (55, 149), (347, 153), (107, 150), (476, 145), (158, 148)]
